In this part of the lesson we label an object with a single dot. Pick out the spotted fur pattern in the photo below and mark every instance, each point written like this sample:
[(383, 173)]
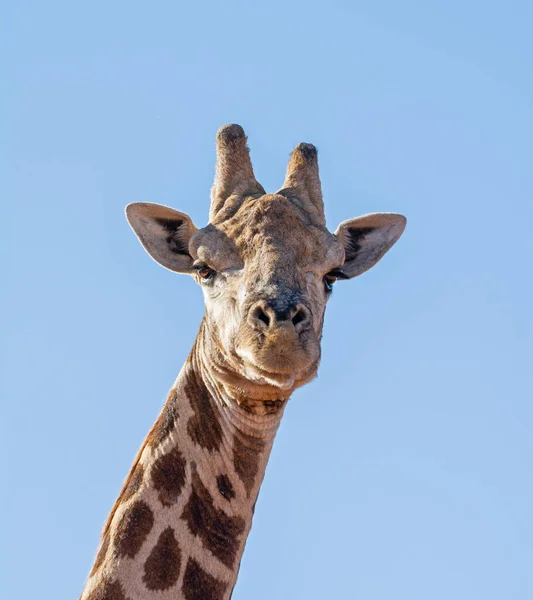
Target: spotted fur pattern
[(180, 524)]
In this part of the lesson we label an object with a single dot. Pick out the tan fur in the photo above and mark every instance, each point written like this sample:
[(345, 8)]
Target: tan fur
[(265, 263)]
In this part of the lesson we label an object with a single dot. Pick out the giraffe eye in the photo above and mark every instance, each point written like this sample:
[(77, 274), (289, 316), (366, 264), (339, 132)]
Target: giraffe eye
[(205, 273), (329, 280), (331, 277)]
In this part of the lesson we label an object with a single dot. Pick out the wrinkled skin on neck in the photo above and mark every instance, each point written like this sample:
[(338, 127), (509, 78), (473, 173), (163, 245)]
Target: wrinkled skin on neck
[(272, 254)]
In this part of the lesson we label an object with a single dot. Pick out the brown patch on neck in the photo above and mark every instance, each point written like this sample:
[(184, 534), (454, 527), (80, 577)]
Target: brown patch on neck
[(220, 533), (168, 476), (162, 567), (204, 426), (108, 590), (134, 527), (247, 452), (200, 585)]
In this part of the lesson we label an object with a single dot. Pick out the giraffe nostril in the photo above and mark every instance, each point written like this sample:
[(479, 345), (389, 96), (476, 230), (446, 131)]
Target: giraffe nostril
[(302, 318), (260, 317), (298, 317)]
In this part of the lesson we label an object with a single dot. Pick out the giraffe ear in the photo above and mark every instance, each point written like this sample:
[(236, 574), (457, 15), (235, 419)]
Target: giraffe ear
[(366, 239), (164, 234)]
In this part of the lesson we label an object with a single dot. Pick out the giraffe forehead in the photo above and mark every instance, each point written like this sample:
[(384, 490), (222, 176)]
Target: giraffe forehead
[(272, 231), (271, 218), (273, 228)]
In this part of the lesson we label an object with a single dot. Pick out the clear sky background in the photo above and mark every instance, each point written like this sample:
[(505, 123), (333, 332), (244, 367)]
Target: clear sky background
[(406, 470)]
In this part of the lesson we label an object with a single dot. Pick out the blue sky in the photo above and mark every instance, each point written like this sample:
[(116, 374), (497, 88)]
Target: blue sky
[(404, 470)]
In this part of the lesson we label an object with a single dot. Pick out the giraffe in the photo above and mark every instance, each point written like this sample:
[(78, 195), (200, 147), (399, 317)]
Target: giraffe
[(266, 264)]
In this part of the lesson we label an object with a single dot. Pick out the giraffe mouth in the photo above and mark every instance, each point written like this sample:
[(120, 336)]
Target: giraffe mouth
[(269, 372), (284, 381), (283, 369)]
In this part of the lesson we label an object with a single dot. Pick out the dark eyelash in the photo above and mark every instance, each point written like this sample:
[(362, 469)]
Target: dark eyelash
[(338, 274)]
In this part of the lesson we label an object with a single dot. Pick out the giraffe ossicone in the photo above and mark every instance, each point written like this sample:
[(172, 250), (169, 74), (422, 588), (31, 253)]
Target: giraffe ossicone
[(266, 264)]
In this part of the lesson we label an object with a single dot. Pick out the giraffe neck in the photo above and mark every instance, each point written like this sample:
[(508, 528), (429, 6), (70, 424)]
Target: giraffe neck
[(179, 526)]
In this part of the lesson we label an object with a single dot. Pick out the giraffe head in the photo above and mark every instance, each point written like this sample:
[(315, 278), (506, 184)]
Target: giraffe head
[(266, 264)]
